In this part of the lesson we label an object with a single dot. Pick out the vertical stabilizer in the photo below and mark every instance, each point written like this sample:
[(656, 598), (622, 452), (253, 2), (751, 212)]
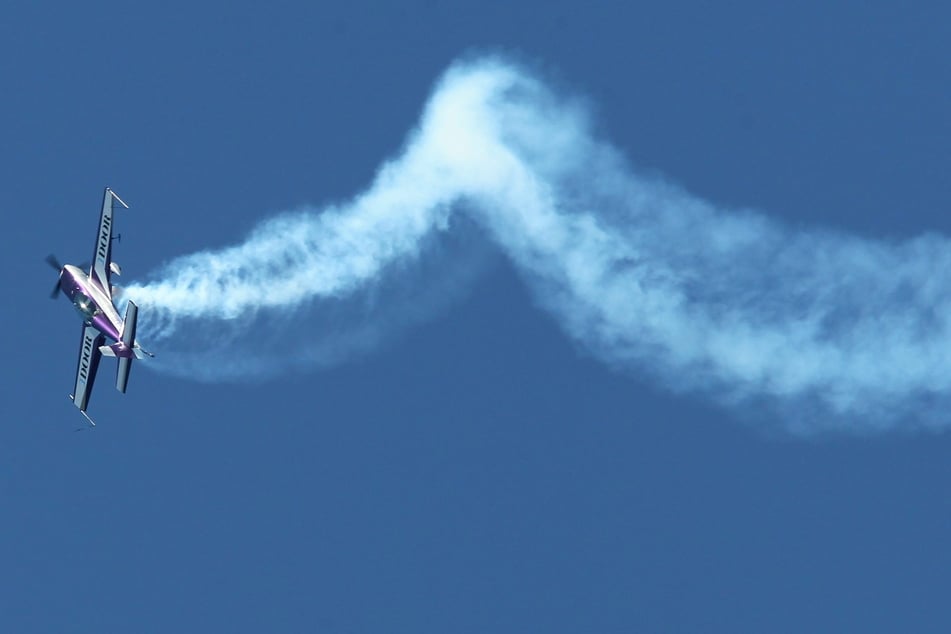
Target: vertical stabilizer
[(128, 341)]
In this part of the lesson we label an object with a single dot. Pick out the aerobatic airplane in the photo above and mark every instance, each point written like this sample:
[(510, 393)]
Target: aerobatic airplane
[(92, 295)]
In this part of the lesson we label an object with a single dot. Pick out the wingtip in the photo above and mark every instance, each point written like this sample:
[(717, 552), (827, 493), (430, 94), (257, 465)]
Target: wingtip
[(82, 411), (110, 192), (91, 421), (116, 196)]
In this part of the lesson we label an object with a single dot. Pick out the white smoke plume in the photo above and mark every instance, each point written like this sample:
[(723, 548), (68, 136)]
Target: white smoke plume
[(836, 330)]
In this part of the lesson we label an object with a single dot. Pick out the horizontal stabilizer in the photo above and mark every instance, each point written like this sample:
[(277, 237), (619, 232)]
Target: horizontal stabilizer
[(122, 374), (118, 350)]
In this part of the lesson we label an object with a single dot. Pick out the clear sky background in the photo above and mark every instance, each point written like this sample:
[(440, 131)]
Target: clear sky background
[(480, 472)]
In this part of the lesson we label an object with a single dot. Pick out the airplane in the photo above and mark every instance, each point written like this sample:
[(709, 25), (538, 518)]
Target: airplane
[(92, 295)]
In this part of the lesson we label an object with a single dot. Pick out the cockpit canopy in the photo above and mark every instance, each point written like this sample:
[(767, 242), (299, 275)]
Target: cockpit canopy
[(86, 307)]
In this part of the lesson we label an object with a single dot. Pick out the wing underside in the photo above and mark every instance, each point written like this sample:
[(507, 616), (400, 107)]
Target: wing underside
[(89, 357)]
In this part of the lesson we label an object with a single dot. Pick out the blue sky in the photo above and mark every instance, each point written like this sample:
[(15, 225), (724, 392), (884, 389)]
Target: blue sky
[(480, 471)]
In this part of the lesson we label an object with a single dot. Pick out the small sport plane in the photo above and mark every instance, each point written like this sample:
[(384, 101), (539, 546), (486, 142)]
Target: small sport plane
[(92, 295)]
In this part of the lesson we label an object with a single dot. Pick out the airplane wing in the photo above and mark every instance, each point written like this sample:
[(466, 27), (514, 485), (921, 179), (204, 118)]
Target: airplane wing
[(89, 357), (99, 271)]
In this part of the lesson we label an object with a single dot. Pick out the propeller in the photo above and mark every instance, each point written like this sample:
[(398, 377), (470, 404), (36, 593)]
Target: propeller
[(54, 262)]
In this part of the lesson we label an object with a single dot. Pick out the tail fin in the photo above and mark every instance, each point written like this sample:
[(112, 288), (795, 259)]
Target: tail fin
[(128, 341)]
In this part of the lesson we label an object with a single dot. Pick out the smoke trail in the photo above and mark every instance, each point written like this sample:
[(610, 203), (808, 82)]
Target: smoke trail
[(641, 273)]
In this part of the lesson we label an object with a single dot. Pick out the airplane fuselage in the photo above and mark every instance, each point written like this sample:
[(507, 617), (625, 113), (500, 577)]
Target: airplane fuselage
[(91, 301)]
